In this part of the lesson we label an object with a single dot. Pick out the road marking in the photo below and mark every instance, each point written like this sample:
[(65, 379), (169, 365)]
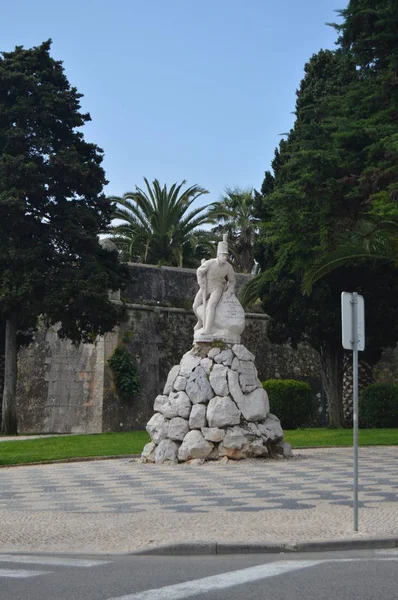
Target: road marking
[(363, 558), (51, 560), (187, 589), (20, 574)]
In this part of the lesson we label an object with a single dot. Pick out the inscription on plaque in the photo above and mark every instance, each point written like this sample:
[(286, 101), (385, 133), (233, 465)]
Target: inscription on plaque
[(247, 376)]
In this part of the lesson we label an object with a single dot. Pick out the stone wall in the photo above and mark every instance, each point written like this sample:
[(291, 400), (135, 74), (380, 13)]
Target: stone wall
[(158, 337), (68, 389), (63, 388), (60, 386)]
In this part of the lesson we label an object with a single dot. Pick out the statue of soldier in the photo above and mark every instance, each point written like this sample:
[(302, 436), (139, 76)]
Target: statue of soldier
[(215, 276)]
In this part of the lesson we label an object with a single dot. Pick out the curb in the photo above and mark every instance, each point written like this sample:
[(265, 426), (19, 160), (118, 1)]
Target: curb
[(70, 460), (211, 548)]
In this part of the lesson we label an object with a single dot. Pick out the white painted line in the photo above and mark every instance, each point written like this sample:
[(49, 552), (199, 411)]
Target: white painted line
[(362, 559), (187, 589), (51, 560), (20, 574)]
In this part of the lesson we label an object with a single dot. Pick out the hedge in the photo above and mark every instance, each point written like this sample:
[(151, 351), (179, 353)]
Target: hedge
[(290, 401), (378, 405)]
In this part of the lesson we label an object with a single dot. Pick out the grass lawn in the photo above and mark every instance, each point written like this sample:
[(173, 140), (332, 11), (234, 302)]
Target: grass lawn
[(318, 438), (72, 446), (132, 442)]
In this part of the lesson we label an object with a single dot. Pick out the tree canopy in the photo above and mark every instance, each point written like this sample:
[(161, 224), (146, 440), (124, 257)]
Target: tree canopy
[(52, 209), (337, 165)]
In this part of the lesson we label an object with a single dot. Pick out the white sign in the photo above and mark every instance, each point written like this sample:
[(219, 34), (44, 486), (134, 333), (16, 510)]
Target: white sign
[(347, 320)]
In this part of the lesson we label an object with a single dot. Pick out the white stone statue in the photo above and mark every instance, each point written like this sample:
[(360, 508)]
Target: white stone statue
[(220, 314)]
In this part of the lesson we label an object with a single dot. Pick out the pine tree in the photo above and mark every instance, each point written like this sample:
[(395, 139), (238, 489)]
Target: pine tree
[(51, 211)]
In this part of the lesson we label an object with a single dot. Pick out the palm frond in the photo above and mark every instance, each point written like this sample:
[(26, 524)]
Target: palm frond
[(348, 255), (252, 290)]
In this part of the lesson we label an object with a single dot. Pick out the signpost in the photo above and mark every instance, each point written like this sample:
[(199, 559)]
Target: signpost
[(353, 338)]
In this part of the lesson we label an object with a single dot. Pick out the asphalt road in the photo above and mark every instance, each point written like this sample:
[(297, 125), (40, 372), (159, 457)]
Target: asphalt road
[(362, 575)]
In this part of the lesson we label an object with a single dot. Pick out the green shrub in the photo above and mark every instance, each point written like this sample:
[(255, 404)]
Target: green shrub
[(125, 373), (378, 405), (290, 401)]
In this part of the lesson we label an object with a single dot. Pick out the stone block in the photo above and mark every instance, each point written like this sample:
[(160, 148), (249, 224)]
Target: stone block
[(198, 387), (180, 383), (166, 451), (242, 352), (171, 379), (206, 364), (225, 357), (222, 411), (255, 405), (148, 453), (178, 428), (177, 405), (188, 363), (158, 428), (194, 445), (197, 418), (213, 434), (218, 380)]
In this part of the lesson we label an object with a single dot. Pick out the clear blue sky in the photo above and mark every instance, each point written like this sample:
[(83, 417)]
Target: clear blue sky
[(180, 89)]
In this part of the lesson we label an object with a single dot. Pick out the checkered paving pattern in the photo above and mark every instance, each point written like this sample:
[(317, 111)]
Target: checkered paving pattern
[(124, 486)]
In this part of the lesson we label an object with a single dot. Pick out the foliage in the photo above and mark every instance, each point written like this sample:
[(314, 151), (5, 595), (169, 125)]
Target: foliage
[(338, 166), (51, 204), (125, 373), (378, 405), (159, 227), (234, 214), (290, 401), (370, 243)]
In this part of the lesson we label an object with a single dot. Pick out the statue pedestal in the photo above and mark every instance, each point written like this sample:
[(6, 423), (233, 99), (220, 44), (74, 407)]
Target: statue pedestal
[(213, 407)]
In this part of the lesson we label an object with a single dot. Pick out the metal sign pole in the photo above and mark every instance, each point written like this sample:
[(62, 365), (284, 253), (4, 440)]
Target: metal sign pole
[(354, 304), (353, 338)]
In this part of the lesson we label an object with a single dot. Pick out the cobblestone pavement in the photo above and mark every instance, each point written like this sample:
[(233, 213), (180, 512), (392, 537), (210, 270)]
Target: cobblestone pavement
[(123, 506)]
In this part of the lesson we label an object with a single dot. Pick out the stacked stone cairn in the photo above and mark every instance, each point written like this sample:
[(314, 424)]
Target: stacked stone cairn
[(213, 407)]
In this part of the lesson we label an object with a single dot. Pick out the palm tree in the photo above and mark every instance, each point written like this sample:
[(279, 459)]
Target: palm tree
[(157, 226), (234, 214), (375, 242)]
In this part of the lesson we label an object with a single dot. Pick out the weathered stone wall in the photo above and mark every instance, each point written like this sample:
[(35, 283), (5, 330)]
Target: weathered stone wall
[(60, 386), (165, 286), (63, 388)]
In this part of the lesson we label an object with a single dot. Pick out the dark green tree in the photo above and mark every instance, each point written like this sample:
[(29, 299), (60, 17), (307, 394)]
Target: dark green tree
[(337, 165), (51, 211), (159, 225)]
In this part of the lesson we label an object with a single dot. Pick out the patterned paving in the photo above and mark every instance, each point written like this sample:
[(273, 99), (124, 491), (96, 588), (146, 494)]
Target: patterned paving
[(124, 486)]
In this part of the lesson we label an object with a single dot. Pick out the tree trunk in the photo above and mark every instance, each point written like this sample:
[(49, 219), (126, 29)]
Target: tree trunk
[(332, 379), (246, 259), (9, 411)]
